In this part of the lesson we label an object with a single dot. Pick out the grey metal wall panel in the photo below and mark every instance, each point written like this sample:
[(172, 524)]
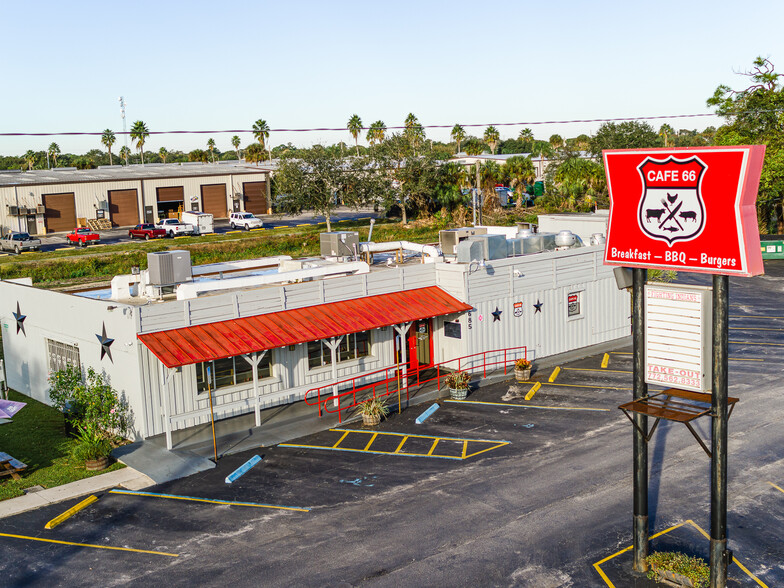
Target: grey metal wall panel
[(207, 310)]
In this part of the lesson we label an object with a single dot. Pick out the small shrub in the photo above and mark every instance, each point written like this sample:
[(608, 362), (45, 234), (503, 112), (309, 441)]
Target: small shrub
[(91, 444), (458, 380), (523, 364), (693, 568), (373, 406)]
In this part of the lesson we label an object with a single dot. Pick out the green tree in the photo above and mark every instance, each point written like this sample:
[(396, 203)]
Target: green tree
[(458, 136), (164, 153), (556, 142), (139, 133), (235, 142), (107, 140), (261, 132), (376, 133), (474, 146), (414, 133), (54, 151), (625, 135), (666, 132), (355, 128), (198, 155), (125, 153), (211, 147), (517, 173), (449, 183), (30, 158), (755, 115), (491, 138)]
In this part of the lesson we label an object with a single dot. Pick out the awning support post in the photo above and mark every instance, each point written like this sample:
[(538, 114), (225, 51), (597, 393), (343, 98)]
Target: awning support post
[(166, 376), (402, 331), (254, 359), (333, 344)]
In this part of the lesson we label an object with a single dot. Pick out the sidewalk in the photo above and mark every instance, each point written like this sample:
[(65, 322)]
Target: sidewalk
[(127, 478)]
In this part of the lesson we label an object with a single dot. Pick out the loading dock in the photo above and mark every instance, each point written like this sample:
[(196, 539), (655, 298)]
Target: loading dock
[(171, 201), (255, 197), (60, 213), (213, 200), (123, 208)]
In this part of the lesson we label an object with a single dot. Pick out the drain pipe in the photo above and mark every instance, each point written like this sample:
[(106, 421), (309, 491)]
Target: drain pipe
[(370, 233), (430, 250)]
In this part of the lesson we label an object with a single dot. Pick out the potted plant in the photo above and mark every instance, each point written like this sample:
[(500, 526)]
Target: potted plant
[(92, 448), (372, 410), (678, 569), (458, 384), (522, 370)]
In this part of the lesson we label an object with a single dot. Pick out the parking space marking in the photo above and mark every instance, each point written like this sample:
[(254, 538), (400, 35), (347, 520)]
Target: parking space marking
[(730, 358), (687, 522), (754, 343), (776, 487), (89, 545), (779, 329), (755, 316), (596, 370), (595, 386), (588, 408), (431, 452), (70, 512), (554, 375), (208, 500)]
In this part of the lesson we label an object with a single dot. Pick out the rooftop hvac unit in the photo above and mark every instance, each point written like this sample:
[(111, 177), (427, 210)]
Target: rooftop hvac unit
[(169, 267), (339, 244), (449, 238)]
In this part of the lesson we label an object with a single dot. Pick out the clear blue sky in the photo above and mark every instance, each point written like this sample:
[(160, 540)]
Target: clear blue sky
[(222, 65)]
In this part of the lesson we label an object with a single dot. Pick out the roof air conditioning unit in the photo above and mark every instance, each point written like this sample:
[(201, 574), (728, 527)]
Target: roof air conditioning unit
[(449, 238), (339, 244), (169, 267)]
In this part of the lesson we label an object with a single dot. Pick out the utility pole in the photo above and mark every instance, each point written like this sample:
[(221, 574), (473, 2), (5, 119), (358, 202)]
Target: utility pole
[(122, 113), (640, 430)]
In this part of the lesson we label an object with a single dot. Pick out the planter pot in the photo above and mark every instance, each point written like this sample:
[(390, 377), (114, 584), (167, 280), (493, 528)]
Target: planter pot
[(371, 419), (522, 375), (94, 465), (458, 393), (672, 579)]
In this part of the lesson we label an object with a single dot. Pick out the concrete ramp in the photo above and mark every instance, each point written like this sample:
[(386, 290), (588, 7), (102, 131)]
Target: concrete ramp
[(160, 464)]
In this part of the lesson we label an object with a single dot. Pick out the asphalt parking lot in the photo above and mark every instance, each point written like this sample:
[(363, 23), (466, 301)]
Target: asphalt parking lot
[(485, 492)]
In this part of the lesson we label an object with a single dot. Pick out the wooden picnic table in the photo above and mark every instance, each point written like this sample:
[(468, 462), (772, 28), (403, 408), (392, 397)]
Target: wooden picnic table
[(10, 466)]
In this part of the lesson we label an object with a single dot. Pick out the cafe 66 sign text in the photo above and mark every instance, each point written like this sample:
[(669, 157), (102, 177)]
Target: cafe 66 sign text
[(685, 209)]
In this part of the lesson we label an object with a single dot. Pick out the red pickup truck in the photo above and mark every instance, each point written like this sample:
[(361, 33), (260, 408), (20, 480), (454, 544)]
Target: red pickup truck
[(82, 237), (146, 231)]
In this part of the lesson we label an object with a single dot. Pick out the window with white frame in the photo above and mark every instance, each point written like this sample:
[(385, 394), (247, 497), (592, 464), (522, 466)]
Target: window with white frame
[(352, 346), (230, 371), (62, 355)]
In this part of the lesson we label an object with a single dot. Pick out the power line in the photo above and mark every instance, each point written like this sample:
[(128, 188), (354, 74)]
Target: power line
[(402, 127)]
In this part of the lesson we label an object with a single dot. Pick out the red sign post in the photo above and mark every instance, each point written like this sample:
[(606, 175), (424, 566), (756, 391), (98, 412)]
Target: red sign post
[(689, 209)]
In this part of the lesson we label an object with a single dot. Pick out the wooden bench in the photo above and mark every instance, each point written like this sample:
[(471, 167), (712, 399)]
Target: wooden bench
[(676, 405), (10, 466)]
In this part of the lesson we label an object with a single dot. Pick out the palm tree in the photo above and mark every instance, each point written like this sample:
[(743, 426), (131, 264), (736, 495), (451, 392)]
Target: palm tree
[(492, 137), (54, 151), (107, 140), (414, 132), (666, 131), (473, 147), (29, 158), (211, 147), (139, 133), (526, 135), (556, 141), (163, 153), (458, 135), (235, 142), (261, 133), (125, 153), (355, 128), (517, 172), (376, 133), (254, 153)]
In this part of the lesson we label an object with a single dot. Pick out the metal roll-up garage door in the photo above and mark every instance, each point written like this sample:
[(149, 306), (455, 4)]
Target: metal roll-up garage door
[(60, 212), (213, 200), (255, 197), (171, 194), (123, 208)]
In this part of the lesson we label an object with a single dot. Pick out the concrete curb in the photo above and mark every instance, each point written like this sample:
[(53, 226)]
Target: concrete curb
[(127, 478)]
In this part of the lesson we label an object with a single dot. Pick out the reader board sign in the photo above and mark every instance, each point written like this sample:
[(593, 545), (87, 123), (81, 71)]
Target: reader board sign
[(678, 330), (690, 209)]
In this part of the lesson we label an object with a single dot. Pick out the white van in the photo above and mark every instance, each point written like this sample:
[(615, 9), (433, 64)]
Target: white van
[(202, 221)]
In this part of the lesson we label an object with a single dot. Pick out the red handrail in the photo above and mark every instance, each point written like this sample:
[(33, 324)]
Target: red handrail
[(468, 363)]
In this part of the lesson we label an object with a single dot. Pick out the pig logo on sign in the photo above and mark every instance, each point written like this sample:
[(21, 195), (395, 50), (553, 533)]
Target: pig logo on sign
[(671, 207)]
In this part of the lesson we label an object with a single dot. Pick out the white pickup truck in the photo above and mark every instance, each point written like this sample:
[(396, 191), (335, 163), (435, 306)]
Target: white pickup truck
[(18, 242), (173, 227)]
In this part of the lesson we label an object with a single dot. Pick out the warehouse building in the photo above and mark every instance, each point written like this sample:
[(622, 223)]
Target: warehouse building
[(49, 201), (262, 333)]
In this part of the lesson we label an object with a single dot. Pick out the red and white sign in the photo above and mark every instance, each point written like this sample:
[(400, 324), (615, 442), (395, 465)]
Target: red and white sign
[(690, 209)]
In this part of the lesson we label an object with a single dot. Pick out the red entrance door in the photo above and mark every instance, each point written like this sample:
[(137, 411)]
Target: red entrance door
[(420, 344)]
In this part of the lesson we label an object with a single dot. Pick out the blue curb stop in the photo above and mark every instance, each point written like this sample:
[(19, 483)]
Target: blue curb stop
[(242, 469), (421, 418)]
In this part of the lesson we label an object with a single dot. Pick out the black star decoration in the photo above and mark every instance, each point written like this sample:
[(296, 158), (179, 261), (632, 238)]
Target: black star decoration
[(496, 314), (20, 319), (538, 306), (106, 344)]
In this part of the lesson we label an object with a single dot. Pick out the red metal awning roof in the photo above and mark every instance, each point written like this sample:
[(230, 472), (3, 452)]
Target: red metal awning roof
[(189, 345)]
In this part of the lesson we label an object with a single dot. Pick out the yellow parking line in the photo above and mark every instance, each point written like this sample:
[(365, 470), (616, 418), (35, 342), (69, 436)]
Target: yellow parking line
[(554, 375), (606, 360), (373, 438), (621, 352), (755, 329), (340, 440), (743, 359), (597, 386), (89, 545), (776, 487), (465, 448), (433, 447), (70, 512), (588, 408), (755, 316), (753, 343), (399, 447), (596, 370)]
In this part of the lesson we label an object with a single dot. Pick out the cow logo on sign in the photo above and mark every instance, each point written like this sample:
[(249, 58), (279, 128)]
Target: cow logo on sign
[(671, 207)]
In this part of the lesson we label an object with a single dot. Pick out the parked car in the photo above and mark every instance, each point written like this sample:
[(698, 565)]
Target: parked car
[(146, 231), (82, 237), (18, 242), (173, 227), (246, 220)]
